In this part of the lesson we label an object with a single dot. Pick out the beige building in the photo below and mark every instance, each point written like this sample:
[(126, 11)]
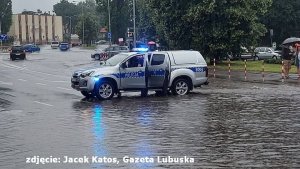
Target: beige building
[(38, 29)]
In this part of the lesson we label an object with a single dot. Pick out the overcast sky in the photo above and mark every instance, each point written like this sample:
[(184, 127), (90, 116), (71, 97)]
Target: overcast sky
[(32, 5)]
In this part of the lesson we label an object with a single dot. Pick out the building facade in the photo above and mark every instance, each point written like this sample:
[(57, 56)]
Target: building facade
[(38, 29)]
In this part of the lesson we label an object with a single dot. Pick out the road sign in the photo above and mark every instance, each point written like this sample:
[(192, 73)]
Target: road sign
[(3, 37), (109, 35)]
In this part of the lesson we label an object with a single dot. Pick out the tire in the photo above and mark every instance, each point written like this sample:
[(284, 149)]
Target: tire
[(274, 57), (104, 90), (144, 92), (256, 58), (181, 87), (97, 57), (12, 58), (86, 94)]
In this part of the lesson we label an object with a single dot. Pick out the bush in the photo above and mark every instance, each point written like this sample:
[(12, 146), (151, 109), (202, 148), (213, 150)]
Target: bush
[(276, 61)]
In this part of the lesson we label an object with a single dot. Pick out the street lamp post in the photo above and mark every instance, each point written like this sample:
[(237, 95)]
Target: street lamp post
[(82, 26), (134, 31), (109, 26)]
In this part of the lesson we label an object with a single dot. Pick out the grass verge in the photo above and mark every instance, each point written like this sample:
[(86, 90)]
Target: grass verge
[(252, 66)]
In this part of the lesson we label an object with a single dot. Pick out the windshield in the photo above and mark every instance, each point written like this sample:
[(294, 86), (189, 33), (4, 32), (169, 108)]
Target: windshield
[(113, 61)]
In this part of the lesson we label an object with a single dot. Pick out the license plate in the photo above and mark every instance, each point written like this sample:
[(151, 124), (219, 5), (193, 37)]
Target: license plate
[(73, 80), (18, 54)]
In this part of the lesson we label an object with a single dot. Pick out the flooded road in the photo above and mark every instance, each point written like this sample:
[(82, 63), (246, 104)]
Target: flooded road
[(228, 124)]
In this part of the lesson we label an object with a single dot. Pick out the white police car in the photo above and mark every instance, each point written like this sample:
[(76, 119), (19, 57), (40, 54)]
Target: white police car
[(178, 71)]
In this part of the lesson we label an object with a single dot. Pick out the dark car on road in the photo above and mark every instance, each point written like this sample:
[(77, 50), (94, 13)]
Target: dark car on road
[(17, 52), (109, 52), (31, 48), (64, 46)]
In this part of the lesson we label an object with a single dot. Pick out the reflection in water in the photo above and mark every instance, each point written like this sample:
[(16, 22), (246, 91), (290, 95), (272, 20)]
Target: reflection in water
[(99, 133)]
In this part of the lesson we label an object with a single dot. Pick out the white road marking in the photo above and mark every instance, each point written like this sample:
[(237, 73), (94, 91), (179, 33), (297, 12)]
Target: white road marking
[(22, 80), (6, 83), (43, 103), (59, 81), (42, 84), (63, 88)]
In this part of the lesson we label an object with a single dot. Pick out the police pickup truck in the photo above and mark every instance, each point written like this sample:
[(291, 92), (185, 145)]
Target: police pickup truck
[(177, 71)]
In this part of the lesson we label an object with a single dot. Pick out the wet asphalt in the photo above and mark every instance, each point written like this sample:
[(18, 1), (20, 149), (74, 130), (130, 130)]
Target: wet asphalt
[(227, 124)]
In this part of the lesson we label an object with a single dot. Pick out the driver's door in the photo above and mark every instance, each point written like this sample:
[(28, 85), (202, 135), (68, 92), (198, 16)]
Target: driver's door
[(132, 72)]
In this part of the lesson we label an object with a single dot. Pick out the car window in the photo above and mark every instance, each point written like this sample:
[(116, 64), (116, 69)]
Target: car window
[(108, 49), (17, 48), (123, 48), (135, 61), (158, 59), (115, 48), (116, 59)]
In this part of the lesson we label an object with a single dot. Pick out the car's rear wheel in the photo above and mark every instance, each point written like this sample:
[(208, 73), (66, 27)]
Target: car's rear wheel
[(97, 57), (104, 90), (181, 87)]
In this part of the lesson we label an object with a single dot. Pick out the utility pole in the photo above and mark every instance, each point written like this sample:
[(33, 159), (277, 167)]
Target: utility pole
[(134, 32), (109, 24), (82, 26)]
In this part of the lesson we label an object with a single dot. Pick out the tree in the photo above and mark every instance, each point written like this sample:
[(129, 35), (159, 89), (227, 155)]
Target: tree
[(88, 24), (284, 18), (215, 27), (120, 11), (70, 13), (5, 15)]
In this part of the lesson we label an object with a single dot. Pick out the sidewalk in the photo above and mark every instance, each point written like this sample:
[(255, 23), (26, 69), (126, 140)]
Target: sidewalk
[(253, 77)]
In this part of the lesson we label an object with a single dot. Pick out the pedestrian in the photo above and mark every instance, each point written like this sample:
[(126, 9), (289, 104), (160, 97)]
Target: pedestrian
[(297, 59), (287, 54)]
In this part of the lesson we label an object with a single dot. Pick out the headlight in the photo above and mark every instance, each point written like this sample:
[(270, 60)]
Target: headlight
[(96, 78)]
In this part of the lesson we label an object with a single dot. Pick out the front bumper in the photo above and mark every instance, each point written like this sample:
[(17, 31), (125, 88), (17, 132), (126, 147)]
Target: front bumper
[(82, 83)]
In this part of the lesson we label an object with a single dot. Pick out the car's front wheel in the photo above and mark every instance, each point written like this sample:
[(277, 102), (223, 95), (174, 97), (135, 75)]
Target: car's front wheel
[(274, 57), (97, 57), (104, 90), (180, 87)]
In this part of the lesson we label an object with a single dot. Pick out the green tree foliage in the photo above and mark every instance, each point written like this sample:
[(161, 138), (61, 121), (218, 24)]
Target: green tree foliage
[(284, 18), (5, 15), (83, 12), (89, 25), (120, 11), (213, 26), (145, 25), (68, 10)]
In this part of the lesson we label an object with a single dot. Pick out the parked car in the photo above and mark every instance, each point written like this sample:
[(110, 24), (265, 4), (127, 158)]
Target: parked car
[(100, 42), (64, 46), (261, 53), (177, 71), (31, 48), (109, 52), (54, 44), (17, 52)]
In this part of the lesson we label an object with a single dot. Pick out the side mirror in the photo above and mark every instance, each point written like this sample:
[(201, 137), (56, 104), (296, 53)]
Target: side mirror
[(123, 65)]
